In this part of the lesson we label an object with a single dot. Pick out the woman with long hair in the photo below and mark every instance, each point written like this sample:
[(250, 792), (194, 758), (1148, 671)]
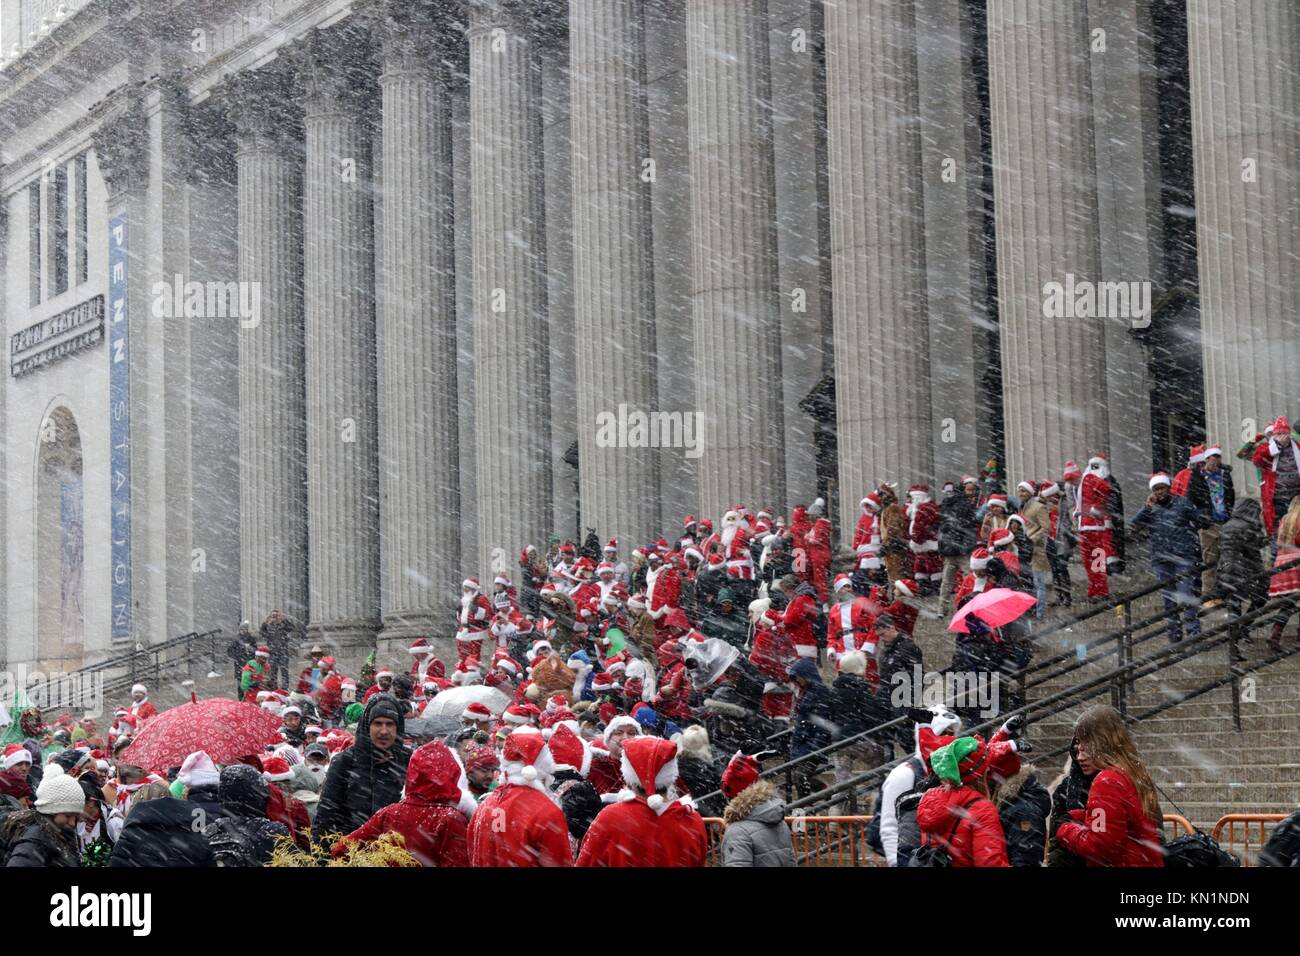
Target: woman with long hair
[(1121, 824), (1286, 583)]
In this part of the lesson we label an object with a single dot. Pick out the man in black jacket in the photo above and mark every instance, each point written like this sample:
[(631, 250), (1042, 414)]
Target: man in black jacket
[(1209, 489), (899, 662), (726, 621), (958, 536), (369, 775), (814, 721)]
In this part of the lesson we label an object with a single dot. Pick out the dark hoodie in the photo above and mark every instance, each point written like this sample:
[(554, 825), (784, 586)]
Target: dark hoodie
[(242, 835), (428, 817), (1023, 808), (1071, 793), (362, 779), (161, 833), (1240, 543), (814, 717)]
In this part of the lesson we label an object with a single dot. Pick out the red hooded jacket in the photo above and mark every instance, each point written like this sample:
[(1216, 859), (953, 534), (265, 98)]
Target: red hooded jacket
[(970, 819), (428, 817), (1113, 830), (629, 833)]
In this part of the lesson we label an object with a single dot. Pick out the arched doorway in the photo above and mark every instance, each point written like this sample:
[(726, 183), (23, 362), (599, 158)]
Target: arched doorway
[(60, 617)]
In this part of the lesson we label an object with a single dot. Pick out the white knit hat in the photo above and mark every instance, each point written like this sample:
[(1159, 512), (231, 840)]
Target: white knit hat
[(59, 793), (198, 770)]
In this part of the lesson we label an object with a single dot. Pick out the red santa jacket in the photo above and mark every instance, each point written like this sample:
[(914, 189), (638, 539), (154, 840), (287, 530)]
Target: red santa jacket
[(1264, 459), (903, 615), (740, 560), (1113, 830), (435, 830), (518, 825), (969, 587), (966, 823), (852, 628), (773, 653), (606, 775), (798, 622), (674, 698), (818, 547), (292, 812), (473, 617), (799, 527), (422, 670), (665, 591), (1094, 493), (923, 527), (630, 833), (144, 710), (1179, 485)]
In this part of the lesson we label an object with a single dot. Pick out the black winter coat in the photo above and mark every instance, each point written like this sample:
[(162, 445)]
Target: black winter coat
[(578, 799), (1240, 543), (814, 720), (1115, 509), (207, 798), (732, 628), (162, 833), (702, 778), (958, 529), (901, 657), (1198, 492), (34, 840), (361, 781), (242, 836), (1070, 794), (1023, 808), (855, 705)]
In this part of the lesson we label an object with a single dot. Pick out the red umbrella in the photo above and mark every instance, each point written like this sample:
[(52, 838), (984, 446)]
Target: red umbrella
[(995, 608), (226, 729)]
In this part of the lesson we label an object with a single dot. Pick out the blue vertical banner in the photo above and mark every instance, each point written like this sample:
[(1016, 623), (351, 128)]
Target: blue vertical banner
[(119, 396)]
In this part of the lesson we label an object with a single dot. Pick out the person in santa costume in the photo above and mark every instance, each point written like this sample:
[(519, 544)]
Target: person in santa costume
[(622, 573), (975, 582), (735, 547), (649, 825), (849, 627), (429, 817), (474, 618), (504, 597), (532, 569), (605, 772), (904, 610), (1178, 487), (923, 539), (663, 593), (569, 784), (1002, 544), (383, 684), (995, 516), (800, 616), (870, 568), (140, 706), (1277, 457), (1096, 548), (518, 824), (772, 654)]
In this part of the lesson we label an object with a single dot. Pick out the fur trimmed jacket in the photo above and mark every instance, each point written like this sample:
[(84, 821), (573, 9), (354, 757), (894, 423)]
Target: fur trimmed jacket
[(756, 832)]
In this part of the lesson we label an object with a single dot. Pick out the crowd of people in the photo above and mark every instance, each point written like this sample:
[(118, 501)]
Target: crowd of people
[(610, 706)]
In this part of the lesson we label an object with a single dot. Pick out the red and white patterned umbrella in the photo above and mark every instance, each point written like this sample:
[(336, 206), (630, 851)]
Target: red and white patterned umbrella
[(226, 729)]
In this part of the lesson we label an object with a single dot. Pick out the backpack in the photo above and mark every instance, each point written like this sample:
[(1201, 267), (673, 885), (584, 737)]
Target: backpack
[(1283, 847), (933, 854), (231, 845), (873, 828), (1195, 851)]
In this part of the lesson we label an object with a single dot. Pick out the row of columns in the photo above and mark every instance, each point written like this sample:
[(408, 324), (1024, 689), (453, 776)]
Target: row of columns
[(378, 458)]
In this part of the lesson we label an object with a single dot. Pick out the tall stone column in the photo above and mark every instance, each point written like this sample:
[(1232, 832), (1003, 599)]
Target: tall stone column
[(418, 447), (952, 165), (614, 282), (882, 373), (1053, 369), (511, 361), (272, 397), (342, 452), (733, 244), (1245, 70)]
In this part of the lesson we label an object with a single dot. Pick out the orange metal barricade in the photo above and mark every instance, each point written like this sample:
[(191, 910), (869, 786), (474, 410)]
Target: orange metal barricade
[(1172, 822), (818, 841), (1240, 833)]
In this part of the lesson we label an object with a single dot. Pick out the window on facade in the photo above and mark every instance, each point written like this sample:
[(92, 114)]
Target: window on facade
[(34, 242), (58, 240)]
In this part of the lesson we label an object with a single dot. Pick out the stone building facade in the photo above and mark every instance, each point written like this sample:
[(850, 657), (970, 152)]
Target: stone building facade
[(316, 304)]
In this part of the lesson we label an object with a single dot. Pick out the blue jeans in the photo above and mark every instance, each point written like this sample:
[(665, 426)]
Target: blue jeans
[(1181, 602), (1040, 592)]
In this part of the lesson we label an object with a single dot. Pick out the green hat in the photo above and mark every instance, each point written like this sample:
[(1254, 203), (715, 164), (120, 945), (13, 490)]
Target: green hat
[(946, 761), (177, 788), (352, 713), (726, 595), (617, 640)]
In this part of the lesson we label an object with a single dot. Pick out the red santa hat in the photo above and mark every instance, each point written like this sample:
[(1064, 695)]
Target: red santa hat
[(637, 602), (556, 702), (507, 664), (871, 501), (1027, 486), (420, 646), (692, 552), (502, 580), (1281, 426), (16, 754), (603, 684), (706, 524), (477, 712), (525, 758), (611, 545), (917, 492), (1001, 538), (907, 587), (651, 764), (568, 750), (1211, 450), (979, 559), (1195, 455), (262, 652), (1159, 478), (969, 480), (604, 568), (742, 772), (382, 672), (1071, 472), (688, 521), (276, 769), (1048, 488), (1097, 461), (516, 715), (999, 499), (470, 583), (716, 560), (842, 581)]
